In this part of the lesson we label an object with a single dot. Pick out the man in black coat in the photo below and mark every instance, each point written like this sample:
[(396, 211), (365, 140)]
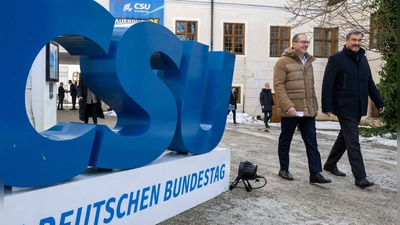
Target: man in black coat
[(89, 104), (61, 95), (73, 92), (266, 102), (233, 104), (346, 86)]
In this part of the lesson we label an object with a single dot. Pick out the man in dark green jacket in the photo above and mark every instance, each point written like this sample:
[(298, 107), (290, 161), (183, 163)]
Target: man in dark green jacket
[(346, 86)]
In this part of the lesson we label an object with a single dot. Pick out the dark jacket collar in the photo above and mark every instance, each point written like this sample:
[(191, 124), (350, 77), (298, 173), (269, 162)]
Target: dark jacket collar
[(360, 52), (266, 90)]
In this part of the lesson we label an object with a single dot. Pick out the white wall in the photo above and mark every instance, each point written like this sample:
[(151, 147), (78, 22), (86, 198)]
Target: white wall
[(40, 106)]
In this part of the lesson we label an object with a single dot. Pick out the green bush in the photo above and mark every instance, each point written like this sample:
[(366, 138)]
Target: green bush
[(386, 15), (383, 132)]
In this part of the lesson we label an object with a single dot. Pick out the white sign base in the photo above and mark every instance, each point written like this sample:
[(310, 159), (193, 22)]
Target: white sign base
[(148, 195)]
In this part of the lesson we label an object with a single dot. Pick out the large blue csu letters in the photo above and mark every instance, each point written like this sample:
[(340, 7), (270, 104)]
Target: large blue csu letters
[(145, 107), (30, 159), (167, 94), (199, 87)]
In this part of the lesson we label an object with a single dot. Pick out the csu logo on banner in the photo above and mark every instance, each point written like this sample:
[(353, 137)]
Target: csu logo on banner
[(142, 6), (127, 7), (143, 72)]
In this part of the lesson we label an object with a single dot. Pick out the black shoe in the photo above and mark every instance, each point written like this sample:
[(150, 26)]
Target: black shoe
[(363, 183), (318, 178), (235, 123), (334, 171), (266, 125), (285, 174)]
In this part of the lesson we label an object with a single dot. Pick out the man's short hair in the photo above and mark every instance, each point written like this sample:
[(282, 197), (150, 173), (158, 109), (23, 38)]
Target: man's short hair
[(296, 36), (353, 31)]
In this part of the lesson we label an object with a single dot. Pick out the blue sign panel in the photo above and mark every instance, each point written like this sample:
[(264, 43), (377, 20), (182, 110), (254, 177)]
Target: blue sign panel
[(133, 11)]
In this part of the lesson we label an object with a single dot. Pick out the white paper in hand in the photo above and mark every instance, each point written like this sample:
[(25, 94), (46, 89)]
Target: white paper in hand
[(300, 113)]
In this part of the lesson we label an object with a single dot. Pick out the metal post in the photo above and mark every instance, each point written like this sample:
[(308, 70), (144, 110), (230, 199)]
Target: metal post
[(212, 27), (244, 97)]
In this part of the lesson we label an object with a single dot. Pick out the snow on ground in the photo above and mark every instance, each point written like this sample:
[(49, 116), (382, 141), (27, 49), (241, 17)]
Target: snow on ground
[(325, 127)]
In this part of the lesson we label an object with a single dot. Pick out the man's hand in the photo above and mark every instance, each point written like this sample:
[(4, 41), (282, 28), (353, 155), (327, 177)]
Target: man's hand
[(328, 113), (291, 111), (381, 110)]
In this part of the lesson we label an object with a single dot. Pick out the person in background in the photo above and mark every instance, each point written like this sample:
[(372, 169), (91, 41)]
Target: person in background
[(61, 95), (266, 102), (297, 105), (232, 104), (89, 104), (73, 93), (346, 85)]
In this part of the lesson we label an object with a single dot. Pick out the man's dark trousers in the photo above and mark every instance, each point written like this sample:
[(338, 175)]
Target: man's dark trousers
[(73, 100), (348, 138), (308, 133)]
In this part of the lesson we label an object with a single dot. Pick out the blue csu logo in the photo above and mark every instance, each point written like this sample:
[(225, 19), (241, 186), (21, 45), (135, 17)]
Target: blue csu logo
[(167, 94)]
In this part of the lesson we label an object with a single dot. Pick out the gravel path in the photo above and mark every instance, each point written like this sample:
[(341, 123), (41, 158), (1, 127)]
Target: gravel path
[(298, 201)]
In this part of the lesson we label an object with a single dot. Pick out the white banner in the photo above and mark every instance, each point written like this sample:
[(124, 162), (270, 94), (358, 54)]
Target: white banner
[(148, 195)]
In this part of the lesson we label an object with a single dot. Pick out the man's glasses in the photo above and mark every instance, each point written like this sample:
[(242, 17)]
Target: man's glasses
[(304, 42)]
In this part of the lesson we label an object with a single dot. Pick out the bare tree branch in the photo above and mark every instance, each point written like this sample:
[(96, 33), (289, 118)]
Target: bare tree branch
[(345, 14)]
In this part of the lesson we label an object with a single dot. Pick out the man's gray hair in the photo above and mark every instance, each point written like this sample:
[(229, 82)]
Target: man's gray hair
[(354, 31)]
